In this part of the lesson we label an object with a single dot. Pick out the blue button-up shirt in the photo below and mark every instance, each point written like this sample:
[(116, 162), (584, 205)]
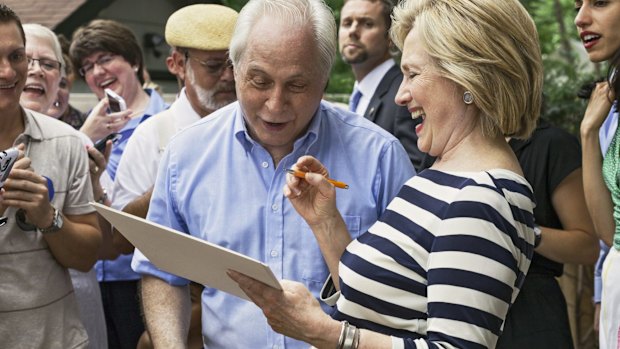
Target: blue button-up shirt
[(120, 268), (218, 184)]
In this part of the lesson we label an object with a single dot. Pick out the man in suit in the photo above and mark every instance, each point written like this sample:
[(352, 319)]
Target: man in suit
[(364, 43)]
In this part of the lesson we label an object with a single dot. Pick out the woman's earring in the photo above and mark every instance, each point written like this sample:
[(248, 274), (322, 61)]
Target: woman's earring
[(468, 98)]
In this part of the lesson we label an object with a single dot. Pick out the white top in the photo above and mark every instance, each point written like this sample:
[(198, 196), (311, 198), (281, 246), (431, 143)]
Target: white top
[(369, 85), (137, 169)]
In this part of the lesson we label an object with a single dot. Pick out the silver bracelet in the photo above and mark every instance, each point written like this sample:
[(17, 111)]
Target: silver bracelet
[(356, 338), (349, 337), (345, 325)]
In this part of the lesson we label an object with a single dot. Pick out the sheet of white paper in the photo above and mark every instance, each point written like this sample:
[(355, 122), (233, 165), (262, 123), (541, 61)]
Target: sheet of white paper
[(185, 255)]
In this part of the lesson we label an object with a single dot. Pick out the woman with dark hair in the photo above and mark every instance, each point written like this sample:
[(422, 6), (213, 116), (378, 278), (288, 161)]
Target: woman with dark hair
[(598, 23), (107, 55)]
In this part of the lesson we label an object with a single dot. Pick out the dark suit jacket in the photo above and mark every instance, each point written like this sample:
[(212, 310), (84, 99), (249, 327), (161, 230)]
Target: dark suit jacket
[(383, 111)]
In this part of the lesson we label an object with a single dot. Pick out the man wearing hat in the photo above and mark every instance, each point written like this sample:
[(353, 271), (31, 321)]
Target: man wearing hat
[(199, 36)]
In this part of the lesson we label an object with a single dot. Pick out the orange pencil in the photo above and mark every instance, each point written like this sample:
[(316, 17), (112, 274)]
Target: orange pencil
[(302, 174)]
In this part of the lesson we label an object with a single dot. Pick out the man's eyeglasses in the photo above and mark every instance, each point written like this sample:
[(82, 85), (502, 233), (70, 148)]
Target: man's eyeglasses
[(102, 62), (45, 63), (215, 67)]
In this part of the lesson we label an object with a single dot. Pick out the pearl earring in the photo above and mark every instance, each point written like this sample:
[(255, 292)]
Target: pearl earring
[(468, 97)]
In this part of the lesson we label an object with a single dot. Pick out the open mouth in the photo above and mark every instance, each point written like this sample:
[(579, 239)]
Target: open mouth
[(107, 83), (589, 39), (36, 89)]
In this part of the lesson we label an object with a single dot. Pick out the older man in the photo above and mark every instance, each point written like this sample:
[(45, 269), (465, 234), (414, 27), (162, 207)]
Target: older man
[(49, 225), (365, 44), (221, 179)]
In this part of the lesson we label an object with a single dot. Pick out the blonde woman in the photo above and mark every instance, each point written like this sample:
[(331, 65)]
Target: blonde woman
[(446, 260)]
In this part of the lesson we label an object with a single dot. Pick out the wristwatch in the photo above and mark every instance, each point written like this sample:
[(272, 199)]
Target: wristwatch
[(537, 235), (56, 224)]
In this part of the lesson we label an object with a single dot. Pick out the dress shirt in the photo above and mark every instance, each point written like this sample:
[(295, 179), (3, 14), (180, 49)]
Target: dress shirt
[(369, 85), (120, 268), (229, 192)]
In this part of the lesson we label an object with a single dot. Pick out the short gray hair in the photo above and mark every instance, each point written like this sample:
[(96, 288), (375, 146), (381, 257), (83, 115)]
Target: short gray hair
[(45, 33), (299, 13)]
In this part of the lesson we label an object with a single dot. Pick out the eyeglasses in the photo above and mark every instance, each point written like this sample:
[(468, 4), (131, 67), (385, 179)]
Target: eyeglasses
[(45, 63), (102, 62), (215, 67)]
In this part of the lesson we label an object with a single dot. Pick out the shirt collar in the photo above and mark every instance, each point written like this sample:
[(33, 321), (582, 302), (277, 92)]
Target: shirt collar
[(183, 111), (371, 81), (31, 128)]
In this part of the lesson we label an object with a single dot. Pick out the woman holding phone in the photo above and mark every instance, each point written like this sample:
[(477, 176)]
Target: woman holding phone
[(107, 55)]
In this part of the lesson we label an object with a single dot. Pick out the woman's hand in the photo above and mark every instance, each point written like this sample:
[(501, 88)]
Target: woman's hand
[(314, 198), (292, 311), (598, 108), (99, 124), (97, 164)]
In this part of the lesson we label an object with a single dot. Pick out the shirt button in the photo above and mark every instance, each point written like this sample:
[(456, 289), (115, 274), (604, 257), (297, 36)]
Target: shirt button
[(265, 164), (274, 207), (274, 253)]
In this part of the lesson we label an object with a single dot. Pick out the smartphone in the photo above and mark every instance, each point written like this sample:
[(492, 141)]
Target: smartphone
[(100, 145), (7, 159), (116, 103)]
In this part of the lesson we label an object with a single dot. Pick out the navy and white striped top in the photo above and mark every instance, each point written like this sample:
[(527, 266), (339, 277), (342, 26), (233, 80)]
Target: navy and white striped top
[(445, 261)]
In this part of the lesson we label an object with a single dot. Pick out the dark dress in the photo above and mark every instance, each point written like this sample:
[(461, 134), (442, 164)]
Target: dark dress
[(539, 318)]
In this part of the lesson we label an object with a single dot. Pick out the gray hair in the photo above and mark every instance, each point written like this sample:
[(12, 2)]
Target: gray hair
[(45, 33), (313, 13)]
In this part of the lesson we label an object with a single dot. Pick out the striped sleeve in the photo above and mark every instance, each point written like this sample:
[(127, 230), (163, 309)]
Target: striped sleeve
[(474, 270)]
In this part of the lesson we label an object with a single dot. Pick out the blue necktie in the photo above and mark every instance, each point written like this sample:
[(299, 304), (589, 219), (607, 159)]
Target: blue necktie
[(354, 100)]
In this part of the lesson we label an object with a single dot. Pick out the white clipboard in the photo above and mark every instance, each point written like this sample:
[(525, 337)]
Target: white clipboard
[(185, 255)]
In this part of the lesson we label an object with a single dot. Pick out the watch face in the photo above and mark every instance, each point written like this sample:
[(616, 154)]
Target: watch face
[(56, 223)]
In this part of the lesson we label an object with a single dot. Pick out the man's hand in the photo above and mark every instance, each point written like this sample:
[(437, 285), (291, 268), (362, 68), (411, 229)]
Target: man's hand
[(26, 190)]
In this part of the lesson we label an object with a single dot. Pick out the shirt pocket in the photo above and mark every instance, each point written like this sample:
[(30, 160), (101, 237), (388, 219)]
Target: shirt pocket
[(315, 271)]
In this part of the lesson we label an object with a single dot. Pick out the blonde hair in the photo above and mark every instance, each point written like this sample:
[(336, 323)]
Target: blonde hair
[(490, 48)]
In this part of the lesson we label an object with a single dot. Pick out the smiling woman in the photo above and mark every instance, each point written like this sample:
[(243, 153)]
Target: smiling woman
[(44, 64)]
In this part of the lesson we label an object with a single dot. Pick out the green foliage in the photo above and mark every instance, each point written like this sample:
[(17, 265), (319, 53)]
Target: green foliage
[(566, 66)]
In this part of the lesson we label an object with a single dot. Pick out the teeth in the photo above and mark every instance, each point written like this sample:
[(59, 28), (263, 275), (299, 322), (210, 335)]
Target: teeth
[(34, 87), (417, 114), (106, 83), (590, 37), (9, 85)]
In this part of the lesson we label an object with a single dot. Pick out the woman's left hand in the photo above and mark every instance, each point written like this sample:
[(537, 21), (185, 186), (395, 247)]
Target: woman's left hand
[(97, 164), (292, 311)]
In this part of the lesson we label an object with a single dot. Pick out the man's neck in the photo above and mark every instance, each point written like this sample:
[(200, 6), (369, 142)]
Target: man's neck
[(11, 126), (361, 70)]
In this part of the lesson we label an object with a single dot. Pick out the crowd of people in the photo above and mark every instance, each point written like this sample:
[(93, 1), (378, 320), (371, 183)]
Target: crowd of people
[(463, 204)]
